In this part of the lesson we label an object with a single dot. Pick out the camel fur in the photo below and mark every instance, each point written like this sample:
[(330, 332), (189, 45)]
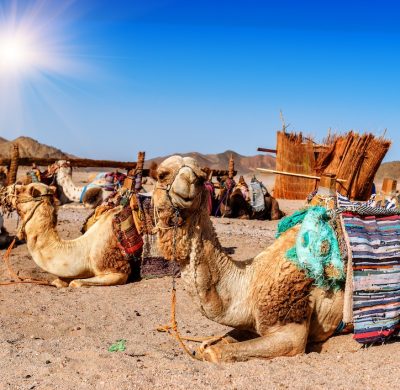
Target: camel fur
[(266, 297), (93, 259)]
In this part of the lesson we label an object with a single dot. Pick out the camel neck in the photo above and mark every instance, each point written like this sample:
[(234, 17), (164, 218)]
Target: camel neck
[(210, 275), (47, 249), (41, 227), (71, 191)]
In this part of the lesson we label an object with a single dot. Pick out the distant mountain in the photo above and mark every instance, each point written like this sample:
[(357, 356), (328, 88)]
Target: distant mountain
[(29, 147), (243, 164), (390, 170)]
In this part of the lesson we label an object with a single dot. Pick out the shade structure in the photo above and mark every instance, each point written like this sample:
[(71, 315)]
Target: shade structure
[(352, 157)]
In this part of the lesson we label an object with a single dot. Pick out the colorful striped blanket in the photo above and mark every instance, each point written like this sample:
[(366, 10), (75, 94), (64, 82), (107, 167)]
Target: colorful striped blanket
[(374, 239), (129, 239)]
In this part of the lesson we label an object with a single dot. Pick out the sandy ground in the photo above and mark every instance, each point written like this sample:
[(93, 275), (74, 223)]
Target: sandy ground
[(59, 339)]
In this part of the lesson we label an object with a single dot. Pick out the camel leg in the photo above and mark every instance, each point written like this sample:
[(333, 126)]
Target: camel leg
[(59, 283), (233, 336), (101, 280), (287, 340)]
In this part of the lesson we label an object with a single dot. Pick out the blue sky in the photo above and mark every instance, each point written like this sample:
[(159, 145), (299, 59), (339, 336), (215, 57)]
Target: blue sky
[(178, 76)]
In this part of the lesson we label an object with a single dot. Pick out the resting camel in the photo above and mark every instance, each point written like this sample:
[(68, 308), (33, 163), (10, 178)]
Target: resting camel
[(267, 297), (93, 259), (235, 205), (90, 196)]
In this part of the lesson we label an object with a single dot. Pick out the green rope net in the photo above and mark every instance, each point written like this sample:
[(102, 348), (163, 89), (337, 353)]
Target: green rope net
[(317, 249)]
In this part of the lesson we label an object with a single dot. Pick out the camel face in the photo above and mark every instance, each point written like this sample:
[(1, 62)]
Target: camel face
[(25, 195), (64, 167), (180, 185)]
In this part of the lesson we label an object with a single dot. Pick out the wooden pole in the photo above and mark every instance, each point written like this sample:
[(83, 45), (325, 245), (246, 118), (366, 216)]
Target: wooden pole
[(295, 174), (13, 170), (266, 150), (231, 171), (327, 184), (139, 171), (85, 163), (75, 162), (389, 186)]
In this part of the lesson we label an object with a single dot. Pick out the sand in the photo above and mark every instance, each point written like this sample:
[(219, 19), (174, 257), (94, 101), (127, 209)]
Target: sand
[(59, 339)]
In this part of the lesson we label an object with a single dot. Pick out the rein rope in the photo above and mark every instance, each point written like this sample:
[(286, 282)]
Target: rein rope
[(172, 328)]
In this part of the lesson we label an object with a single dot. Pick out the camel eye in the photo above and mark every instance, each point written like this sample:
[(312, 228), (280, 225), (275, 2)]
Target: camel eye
[(162, 175)]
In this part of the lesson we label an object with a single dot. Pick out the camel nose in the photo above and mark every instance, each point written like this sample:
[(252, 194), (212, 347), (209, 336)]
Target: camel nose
[(184, 185)]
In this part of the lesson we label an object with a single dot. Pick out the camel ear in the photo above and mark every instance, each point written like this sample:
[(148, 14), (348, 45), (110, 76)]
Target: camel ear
[(153, 170), (52, 190), (19, 188)]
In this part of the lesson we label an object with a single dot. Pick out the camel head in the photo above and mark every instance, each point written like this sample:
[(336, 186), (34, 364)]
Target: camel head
[(23, 198), (63, 166), (179, 188)]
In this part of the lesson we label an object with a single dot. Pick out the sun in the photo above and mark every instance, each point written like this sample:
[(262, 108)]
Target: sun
[(16, 53)]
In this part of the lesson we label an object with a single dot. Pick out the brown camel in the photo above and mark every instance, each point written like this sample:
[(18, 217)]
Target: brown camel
[(233, 203), (267, 297)]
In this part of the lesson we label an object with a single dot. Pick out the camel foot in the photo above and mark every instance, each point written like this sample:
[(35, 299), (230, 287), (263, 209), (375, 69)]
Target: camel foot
[(215, 341), (212, 354), (59, 283), (100, 280), (76, 284)]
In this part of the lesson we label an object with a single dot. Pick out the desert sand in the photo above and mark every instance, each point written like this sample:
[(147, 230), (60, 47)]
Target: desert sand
[(59, 338)]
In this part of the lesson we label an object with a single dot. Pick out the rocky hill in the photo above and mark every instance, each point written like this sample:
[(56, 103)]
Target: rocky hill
[(243, 164), (390, 170), (28, 147)]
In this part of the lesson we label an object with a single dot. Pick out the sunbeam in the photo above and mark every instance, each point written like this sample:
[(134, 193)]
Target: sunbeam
[(35, 45)]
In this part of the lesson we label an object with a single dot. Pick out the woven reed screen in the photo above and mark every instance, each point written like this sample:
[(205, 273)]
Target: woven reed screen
[(295, 155), (356, 159)]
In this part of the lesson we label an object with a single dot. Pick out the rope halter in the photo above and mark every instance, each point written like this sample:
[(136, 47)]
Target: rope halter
[(27, 199), (177, 220)]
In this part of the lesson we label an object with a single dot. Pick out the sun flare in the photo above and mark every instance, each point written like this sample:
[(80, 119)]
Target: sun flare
[(39, 58), (15, 53)]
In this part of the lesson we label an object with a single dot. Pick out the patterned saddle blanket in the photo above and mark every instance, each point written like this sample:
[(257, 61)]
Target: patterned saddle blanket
[(373, 236)]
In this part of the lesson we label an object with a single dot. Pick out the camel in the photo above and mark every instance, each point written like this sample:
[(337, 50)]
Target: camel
[(91, 196), (273, 307), (235, 204), (93, 259)]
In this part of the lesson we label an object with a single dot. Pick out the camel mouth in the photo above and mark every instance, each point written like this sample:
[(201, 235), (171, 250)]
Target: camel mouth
[(183, 202)]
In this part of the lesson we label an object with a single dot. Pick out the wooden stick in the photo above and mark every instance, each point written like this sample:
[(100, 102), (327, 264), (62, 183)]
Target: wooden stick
[(14, 162), (139, 171), (295, 174), (266, 150), (85, 163), (231, 171), (75, 162)]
